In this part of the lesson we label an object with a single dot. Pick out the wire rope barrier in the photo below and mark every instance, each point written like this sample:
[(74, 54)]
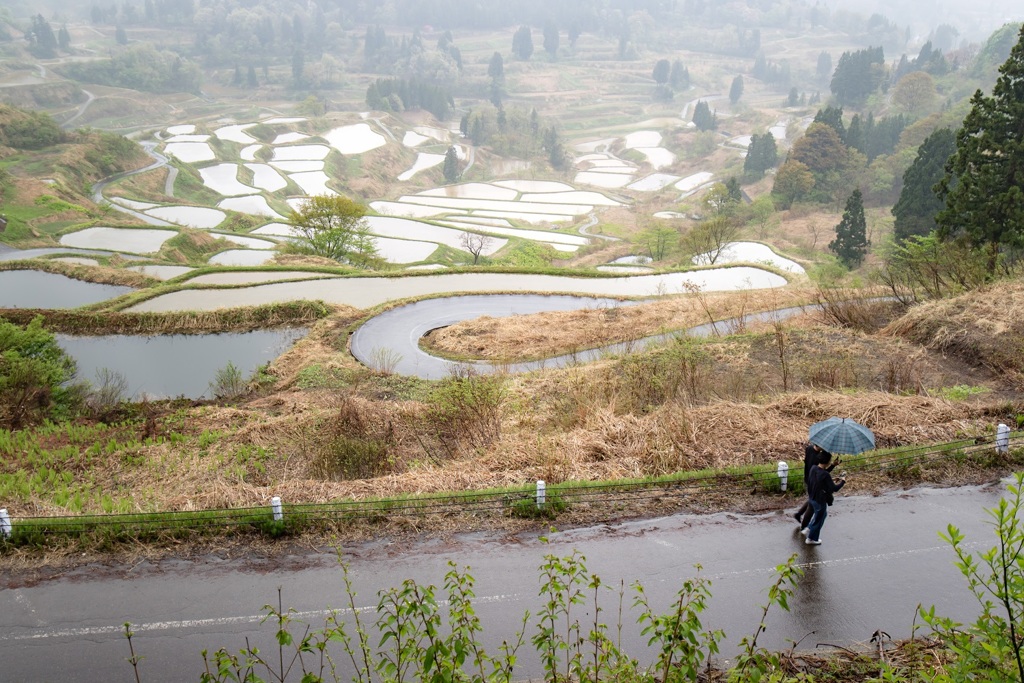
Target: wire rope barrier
[(526, 501)]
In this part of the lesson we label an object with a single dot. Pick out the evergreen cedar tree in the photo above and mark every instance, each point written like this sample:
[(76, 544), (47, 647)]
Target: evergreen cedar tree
[(451, 165), (762, 154), (983, 187), (662, 71), (703, 117), (857, 75), (918, 204), (522, 43), (851, 242), (736, 90)]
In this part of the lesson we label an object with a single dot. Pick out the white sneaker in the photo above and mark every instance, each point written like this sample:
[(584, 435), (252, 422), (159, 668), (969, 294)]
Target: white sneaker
[(806, 530), (811, 541)]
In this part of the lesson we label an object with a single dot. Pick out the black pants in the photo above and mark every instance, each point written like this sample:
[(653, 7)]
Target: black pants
[(805, 513)]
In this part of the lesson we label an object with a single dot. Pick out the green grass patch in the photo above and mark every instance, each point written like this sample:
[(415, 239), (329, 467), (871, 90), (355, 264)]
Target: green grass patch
[(518, 501), (959, 392), (189, 187)]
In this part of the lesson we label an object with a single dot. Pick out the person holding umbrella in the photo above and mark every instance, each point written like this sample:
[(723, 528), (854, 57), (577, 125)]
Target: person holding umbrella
[(813, 453), (834, 435), (820, 495)]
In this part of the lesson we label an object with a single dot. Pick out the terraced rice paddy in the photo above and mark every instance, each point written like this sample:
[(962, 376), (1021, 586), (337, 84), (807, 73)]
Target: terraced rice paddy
[(128, 240), (372, 291), (751, 252)]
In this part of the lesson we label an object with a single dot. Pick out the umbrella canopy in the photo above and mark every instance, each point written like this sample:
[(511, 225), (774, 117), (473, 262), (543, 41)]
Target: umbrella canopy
[(841, 435)]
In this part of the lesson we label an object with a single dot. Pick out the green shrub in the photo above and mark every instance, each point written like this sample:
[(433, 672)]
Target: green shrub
[(228, 383), (35, 376)]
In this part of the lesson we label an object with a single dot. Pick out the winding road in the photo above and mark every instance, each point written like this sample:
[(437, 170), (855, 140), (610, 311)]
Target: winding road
[(880, 559), (159, 160), (391, 341)]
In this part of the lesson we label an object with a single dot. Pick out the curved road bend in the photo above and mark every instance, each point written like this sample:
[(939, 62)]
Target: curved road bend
[(158, 161), (393, 337), (880, 558)]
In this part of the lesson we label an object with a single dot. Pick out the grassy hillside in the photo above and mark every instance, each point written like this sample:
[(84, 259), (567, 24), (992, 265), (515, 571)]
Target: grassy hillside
[(46, 172)]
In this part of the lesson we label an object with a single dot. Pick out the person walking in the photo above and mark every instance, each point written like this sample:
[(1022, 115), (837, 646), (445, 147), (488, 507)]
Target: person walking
[(813, 454), (821, 489)]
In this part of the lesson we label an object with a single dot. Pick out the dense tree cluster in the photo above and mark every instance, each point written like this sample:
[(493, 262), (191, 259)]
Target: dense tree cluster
[(928, 60), (823, 71), (42, 41), (918, 203), (703, 117), (832, 156), (28, 129), (984, 183), (770, 72), (162, 11), (857, 75), (399, 94), (140, 67), (35, 376), (762, 154)]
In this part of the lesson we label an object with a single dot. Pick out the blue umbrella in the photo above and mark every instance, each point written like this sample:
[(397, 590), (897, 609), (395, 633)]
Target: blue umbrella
[(842, 435)]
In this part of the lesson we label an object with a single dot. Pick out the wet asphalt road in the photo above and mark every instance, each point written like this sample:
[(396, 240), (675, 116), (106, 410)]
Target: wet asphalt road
[(881, 557)]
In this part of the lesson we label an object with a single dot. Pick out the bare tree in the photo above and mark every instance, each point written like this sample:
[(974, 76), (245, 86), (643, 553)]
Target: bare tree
[(707, 239), (815, 229), (475, 243)]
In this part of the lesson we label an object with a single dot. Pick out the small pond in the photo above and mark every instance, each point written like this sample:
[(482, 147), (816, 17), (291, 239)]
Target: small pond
[(473, 191), (423, 162), (301, 153), (405, 229), (535, 185), (133, 241), (643, 138), (355, 139), (190, 152), (654, 182), (35, 289), (285, 138), (298, 166), (236, 133), (242, 257), (608, 180), (266, 178), (255, 205), (249, 153), (658, 157), (692, 182), (412, 139), (313, 182), (169, 366), (223, 179), (191, 216)]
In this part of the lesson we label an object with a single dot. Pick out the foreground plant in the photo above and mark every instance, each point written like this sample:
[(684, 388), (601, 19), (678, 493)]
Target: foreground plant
[(993, 643)]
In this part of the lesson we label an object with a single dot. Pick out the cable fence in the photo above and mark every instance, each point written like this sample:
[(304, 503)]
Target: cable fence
[(541, 499)]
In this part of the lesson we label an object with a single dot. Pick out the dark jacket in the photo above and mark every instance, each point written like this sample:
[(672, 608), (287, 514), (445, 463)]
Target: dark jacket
[(821, 487), (811, 459)]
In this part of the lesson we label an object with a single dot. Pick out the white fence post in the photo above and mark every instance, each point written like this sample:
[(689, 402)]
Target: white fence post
[(275, 507), (5, 523), (541, 493), (1002, 439), (783, 472)]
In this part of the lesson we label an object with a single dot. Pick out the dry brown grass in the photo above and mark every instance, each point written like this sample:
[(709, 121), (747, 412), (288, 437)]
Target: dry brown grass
[(543, 335), (984, 328)]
